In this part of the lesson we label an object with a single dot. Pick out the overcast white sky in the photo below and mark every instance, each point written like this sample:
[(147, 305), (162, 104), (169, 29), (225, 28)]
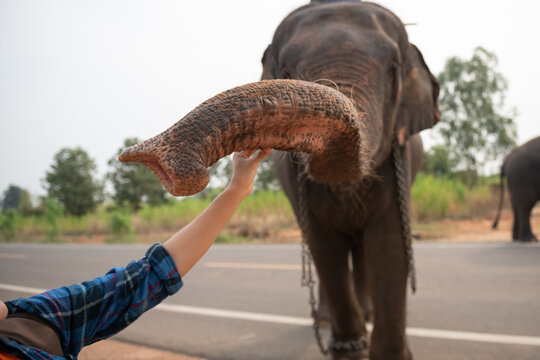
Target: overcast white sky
[(92, 73)]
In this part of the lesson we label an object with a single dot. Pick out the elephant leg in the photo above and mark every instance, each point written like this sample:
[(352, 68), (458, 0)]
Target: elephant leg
[(360, 279), (387, 277), (322, 309), (522, 219), (360, 287), (515, 225), (525, 231), (330, 253)]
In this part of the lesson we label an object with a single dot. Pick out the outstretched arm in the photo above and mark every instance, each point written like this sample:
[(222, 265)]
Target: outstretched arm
[(123, 294), (188, 245)]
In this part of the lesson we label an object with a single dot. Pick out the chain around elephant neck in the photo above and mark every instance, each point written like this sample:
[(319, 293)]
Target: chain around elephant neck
[(403, 201), (307, 261)]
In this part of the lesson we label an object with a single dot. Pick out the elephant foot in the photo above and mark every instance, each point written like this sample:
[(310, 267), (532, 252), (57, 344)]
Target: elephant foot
[(357, 349), (530, 238), (323, 315)]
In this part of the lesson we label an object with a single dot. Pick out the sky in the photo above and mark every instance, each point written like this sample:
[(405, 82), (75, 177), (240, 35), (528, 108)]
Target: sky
[(92, 73)]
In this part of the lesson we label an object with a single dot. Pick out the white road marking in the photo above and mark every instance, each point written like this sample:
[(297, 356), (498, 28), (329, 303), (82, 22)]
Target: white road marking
[(252, 266), (22, 289), (305, 321), (239, 315), (13, 256), (474, 336)]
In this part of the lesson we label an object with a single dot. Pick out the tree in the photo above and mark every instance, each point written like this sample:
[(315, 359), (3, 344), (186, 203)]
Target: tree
[(16, 198), (133, 183), (437, 161), (70, 181), (474, 125), (25, 205), (12, 198)]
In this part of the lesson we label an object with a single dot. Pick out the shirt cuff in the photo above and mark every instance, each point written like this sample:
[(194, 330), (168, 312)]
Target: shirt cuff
[(164, 266)]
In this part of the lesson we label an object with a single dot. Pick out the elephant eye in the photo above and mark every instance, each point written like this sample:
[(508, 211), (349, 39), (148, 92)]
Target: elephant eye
[(393, 68), (285, 74), (283, 71)]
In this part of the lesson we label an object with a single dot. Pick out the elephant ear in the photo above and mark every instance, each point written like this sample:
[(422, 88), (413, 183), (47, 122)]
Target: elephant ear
[(419, 107), (269, 65)]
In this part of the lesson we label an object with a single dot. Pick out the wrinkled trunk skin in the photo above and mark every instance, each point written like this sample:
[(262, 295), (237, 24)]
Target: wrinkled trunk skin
[(288, 115)]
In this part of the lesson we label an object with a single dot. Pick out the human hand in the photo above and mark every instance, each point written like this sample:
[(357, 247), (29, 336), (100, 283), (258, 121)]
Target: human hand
[(245, 169)]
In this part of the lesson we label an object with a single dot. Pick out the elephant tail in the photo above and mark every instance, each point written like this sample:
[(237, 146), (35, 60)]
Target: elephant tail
[(501, 199)]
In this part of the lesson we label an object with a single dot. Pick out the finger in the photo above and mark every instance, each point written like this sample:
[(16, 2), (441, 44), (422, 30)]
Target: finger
[(248, 153), (262, 154)]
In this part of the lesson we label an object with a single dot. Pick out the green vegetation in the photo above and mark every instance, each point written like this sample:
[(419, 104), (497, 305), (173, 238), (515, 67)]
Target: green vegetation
[(120, 226), (434, 198), (263, 216), (70, 181), (8, 224), (221, 172), (133, 183), (438, 161), (52, 216), (474, 124), (226, 238)]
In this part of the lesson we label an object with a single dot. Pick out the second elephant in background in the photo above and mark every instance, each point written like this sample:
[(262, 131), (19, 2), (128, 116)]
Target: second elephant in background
[(522, 169)]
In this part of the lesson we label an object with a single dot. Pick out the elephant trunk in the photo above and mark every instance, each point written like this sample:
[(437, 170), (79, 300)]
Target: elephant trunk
[(289, 115)]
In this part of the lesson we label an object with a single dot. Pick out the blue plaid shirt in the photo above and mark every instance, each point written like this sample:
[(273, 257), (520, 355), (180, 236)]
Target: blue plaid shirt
[(94, 310)]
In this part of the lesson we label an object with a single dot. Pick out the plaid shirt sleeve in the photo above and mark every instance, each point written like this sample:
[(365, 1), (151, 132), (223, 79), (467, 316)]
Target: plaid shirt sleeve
[(93, 310)]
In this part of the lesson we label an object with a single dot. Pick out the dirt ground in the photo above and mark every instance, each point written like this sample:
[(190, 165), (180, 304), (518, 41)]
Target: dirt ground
[(463, 230), (478, 229), (444, 230), (111, 349)]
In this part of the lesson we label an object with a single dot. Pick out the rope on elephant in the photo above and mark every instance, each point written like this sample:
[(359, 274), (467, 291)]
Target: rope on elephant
[(403, 201)]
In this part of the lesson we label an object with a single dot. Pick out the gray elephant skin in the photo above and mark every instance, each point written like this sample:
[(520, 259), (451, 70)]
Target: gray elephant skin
[(341, 87), (522, 170)]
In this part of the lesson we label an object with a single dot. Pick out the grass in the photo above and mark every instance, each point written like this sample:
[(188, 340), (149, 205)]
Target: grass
[(435, 198)]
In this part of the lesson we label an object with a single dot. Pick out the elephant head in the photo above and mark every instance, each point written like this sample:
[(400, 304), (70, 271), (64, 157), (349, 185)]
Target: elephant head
[(339, 82)]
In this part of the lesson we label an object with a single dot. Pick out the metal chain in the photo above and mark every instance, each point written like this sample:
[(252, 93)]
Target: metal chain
[(337, 345), (307, 260), (403, 201)]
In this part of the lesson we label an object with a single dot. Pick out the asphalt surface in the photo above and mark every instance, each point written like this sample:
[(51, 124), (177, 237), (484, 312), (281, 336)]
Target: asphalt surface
[(474, 301)]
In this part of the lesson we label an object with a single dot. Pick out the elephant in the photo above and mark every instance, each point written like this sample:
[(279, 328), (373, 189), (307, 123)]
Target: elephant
[(522, 170), (342, 99)]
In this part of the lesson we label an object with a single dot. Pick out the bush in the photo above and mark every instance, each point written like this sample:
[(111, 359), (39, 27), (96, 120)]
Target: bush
[(226, 238), (171, 216), (53, 213), (264, 203), (120, 226), (436, 197), (8, 224)]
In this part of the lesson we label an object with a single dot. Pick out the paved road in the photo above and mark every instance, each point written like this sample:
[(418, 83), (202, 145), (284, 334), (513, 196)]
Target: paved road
[(474, 301)]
